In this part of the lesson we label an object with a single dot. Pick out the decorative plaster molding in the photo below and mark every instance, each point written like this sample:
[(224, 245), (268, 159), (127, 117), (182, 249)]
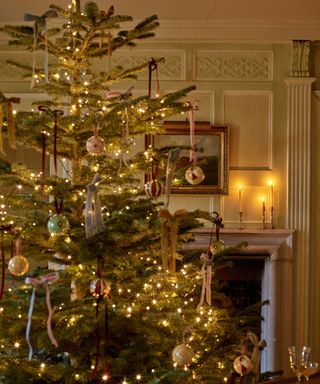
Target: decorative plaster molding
[(300, 58), (173, 67), (233, 65)]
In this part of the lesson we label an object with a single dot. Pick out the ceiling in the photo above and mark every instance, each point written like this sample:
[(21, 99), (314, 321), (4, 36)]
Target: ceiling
[(201, 19), (263, 10)]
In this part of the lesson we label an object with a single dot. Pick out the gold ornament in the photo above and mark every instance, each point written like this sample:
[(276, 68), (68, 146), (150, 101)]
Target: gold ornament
[(182, 355), (217, 246), (18, 265)]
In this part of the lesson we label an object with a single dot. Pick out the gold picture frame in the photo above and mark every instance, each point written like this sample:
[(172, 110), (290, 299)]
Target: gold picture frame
[(212, 152)]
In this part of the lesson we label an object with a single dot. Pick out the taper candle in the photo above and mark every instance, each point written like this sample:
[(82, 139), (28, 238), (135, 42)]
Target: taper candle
[(271, 193), (240, 198)]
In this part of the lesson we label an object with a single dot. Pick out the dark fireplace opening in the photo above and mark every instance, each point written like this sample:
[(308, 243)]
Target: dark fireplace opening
[(242, 282)]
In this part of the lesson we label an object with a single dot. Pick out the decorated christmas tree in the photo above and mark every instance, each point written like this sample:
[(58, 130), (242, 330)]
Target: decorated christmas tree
[(100, 286)]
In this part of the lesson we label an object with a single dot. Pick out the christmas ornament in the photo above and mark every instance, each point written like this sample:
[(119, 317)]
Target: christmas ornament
[(182, 355), (207, 274), (153, 66), (153, 188), (169, 237), (45, 280), (18, 265), (40, 27), (194, 175), (93, 213), (57, 223), (99, 288), (242, 365), (217, 246), (95, 145)]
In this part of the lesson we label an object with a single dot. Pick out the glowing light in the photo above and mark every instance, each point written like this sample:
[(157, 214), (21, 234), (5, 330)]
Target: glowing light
[(105, 377), (138, 377), (16, 344)]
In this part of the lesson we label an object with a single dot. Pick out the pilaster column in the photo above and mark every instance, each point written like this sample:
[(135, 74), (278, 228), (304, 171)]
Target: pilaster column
[(299, 196)]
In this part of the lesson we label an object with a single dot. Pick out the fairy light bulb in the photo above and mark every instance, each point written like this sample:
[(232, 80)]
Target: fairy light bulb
[(138, 377), (105, 377)]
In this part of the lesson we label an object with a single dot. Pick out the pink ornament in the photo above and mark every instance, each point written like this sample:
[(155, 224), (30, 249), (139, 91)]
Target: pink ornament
[(153, 188), (194, 175), (99, 288), (95, 145), (242, 365)]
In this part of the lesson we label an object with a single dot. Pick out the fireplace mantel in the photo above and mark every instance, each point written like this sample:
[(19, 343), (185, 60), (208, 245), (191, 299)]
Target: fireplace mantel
[(274, 246)]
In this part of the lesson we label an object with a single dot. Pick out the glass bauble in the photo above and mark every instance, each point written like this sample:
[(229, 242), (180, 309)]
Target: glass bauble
[(242, 365), (182, 355), (194, 175), (217, 246), (99, 288), (153, 188), (57, 223), (95, 145), (18, 265)]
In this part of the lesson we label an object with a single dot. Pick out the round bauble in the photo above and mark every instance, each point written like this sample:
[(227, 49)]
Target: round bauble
[(182, 355), (153, 188), (95, 145), (242, 365), (99, 288), (18, 265), (217, 246), (57, 223), (194, 175)]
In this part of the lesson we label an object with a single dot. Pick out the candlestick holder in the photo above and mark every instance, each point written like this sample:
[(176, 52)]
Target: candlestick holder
[(263, 216), (240, 220), (272, 217)]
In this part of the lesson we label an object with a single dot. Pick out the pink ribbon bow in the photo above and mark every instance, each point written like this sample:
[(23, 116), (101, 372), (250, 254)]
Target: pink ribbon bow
[(45, 280)]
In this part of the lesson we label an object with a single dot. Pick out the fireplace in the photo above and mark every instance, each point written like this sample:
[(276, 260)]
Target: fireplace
[(268, 257)]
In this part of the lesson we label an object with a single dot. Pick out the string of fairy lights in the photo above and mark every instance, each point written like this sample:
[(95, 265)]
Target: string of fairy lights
[(152, 293)]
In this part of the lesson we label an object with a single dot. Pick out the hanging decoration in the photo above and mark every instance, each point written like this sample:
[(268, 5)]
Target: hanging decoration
[(100, 289), (45, 281), (55, 113), (247, 365), (173, 158), (57, 223), (153, 187), (7, 102), (93, 213), (125, 124), (207, 259), (153, 67), (18, 264), (40, 26), (182, 354), (3, 229), (95, 144), (194, 174), (169, 237)]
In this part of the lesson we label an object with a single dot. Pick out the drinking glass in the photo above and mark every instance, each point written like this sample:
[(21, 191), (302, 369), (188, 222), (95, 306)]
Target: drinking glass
[(311, 369), (299, 360)]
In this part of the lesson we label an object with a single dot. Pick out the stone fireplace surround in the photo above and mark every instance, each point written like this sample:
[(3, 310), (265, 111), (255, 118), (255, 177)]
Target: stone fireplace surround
[(275, 248)]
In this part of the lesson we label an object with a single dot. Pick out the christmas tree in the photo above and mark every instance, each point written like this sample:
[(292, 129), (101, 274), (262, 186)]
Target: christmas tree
[(101, 287)]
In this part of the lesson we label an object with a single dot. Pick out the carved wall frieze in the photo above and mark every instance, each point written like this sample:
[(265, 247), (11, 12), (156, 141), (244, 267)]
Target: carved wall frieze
[(232, 65), (171, 69)]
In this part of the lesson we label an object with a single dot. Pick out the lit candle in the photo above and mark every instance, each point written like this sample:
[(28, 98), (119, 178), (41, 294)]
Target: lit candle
[(271, 193), (240, 199)]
